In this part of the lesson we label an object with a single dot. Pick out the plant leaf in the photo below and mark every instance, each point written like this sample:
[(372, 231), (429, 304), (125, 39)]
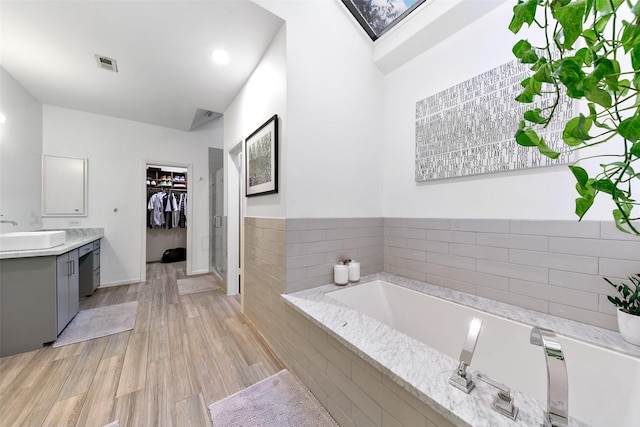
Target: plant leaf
[(525, 52), (543, 74), (523, 13), (582, 206), (599, 96), (635, 149), (628, 35), (576, 131), (581, 175), (532, 88), (630, 128), (601, 23), (527, 137), (605, 185), (535, 117), (570, 18), (570, 73), (585, 56), (546, 150), (520, 48)]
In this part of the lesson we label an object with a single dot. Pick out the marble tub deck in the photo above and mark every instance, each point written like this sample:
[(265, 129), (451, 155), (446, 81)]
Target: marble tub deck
[(423, 371)]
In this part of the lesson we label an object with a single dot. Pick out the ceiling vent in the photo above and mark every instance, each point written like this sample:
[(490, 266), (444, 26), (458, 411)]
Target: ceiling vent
[(107, 63)]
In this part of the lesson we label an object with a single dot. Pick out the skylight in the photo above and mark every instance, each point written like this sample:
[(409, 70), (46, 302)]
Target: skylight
[(378, 16)]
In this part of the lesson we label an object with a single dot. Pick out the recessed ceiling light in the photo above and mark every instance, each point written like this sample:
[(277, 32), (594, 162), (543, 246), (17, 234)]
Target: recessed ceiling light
[(220, 57)]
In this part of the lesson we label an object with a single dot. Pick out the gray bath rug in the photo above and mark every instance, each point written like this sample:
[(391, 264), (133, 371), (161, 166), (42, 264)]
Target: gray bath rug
[(278, 401), (194, 285), (99, 322)]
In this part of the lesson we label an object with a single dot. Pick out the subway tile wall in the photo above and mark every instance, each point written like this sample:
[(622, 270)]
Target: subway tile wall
[(554, 267), (314, 245), (550, 266), (355, 393)]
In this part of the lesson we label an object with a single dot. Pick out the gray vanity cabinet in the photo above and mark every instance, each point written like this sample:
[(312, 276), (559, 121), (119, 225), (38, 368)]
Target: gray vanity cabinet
[(27, 304), (67, 288), (38, 297)]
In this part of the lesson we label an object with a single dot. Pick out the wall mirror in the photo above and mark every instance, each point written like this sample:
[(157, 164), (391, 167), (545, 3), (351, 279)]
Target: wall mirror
[(64, 186)]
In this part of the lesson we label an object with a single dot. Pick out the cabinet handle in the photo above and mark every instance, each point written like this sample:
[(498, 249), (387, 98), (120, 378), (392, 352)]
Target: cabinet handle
[(73, 267), (68, 268)]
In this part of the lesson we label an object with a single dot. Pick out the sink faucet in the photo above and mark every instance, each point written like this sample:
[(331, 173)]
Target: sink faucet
[(459, 378), (5, 221), (557, 413)]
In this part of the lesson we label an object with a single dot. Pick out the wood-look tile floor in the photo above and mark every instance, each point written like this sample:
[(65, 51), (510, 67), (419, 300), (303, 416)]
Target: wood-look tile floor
[(184, 353)]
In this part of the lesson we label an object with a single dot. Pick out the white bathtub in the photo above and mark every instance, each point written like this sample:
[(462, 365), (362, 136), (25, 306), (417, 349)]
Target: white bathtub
[(604, 386)]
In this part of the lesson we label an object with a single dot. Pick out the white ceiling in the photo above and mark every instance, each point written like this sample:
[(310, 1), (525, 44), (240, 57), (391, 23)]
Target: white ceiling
[(165, 77)]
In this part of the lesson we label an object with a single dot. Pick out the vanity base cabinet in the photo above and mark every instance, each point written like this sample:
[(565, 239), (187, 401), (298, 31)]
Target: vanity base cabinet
[(38, 297), (68, 288), (27, 304)]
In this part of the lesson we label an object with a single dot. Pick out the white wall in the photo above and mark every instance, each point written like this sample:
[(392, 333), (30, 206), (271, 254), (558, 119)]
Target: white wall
[(117, 150), (545, 193), (20, 157), (262, 96), (333, 162)]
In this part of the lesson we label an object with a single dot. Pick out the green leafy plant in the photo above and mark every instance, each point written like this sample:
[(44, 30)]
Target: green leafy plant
[(630, 301), (604, 73)]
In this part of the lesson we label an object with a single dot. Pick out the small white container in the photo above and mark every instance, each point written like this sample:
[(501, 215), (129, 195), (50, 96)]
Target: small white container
[(341, 274), (354, 271)]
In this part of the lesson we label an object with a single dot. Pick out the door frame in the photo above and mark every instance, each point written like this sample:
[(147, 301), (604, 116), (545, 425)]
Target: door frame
[(143, 192), (234, 169)]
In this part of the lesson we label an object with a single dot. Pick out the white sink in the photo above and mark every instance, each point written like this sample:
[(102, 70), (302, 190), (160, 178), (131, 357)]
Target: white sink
[(30, 240)]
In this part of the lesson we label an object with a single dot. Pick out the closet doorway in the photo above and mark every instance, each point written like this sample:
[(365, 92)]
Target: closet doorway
[(167, 208)]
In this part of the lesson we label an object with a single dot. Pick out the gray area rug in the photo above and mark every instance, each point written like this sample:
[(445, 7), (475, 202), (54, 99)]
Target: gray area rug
[(194, 285), (278, 401), (99, 322)]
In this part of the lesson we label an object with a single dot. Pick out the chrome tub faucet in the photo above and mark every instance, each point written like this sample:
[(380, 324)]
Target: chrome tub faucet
[(6, 221), (459, 377), (557, 413)]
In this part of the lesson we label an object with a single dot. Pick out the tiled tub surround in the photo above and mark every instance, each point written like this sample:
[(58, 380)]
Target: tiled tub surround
[(424, 372), (553, 267), (314, 245), (354, 391)]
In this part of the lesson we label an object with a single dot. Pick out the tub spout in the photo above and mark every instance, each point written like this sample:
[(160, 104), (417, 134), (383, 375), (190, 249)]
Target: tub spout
[(5, 221), (557, 413), (459, 377)]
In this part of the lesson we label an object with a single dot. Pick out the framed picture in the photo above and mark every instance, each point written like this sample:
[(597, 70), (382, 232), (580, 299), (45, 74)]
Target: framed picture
[(261, 159)]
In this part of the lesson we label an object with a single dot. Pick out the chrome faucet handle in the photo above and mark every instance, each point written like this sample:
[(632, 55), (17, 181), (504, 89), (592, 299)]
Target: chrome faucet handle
[(557, 414), (459, 378), (503, 401)]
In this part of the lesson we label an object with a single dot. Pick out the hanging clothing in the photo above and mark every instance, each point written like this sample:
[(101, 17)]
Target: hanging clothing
[(166, 210), (170, 206), (182, 211), (156, 207)]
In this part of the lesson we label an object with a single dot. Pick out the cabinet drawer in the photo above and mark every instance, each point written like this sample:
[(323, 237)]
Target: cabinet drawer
[(85, 249), (96, 245)]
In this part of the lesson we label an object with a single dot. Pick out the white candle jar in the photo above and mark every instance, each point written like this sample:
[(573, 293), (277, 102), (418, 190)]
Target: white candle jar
[(341, 274), (354, 271)]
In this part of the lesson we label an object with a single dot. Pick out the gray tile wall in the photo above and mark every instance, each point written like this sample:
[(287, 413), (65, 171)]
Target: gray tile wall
[(314, 245), (554, 267), (549, 266), (354, 393)]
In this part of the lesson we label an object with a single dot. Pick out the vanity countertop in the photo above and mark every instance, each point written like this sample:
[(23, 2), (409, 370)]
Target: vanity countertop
[(76, 237)]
